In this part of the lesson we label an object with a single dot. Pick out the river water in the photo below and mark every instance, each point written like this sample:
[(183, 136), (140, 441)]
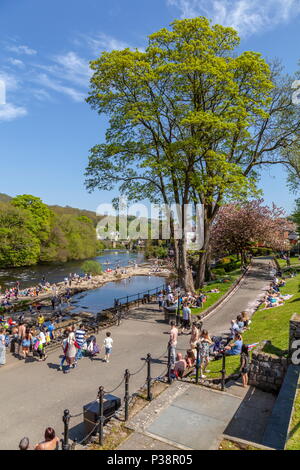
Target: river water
[(31, 276), (95, 300)]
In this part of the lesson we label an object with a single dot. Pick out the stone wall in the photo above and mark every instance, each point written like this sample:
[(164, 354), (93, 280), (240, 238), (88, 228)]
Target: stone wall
[(294, 334), (267, 371)]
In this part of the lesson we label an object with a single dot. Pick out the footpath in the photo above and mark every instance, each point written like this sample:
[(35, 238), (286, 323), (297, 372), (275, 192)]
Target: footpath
[(187, 416), (35, 394)]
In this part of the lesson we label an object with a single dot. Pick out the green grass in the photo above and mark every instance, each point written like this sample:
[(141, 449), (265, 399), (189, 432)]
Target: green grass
[(294, 261), (271, 324), (293, 442), (223, 287)]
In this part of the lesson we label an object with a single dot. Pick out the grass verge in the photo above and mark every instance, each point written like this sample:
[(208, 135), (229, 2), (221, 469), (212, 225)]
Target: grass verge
[(271, 324)]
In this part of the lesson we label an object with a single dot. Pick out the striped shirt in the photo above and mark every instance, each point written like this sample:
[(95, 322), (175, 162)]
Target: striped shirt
[(79, 336)]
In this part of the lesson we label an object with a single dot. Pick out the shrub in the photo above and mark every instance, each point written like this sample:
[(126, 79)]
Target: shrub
[(219, 271), (91, 267)]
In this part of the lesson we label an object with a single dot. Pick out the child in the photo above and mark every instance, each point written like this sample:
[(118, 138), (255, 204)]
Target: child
[(244, 364), (108, 346)]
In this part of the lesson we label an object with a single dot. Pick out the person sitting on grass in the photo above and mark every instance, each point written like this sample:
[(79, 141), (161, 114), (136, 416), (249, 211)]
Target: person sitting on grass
[(234, 348), (246, 320)]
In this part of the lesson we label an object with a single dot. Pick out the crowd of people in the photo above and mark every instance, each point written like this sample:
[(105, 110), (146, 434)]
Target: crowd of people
[(78, 344), (273, 297), (210, 348), (172, 300), (25, 341), (15, 293)]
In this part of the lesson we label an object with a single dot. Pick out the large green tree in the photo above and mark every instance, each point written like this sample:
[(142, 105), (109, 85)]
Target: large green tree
[(180, 113), (18, 245)]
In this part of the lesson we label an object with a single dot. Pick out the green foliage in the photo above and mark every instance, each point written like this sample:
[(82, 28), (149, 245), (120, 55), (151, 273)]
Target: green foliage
[(91, 267), (261, 251), (156, 252), (30, 233), (38, 214), (219, 271), (18, 246)]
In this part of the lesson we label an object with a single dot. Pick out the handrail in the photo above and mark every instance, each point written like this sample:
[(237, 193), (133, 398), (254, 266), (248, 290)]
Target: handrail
[(141, 293)]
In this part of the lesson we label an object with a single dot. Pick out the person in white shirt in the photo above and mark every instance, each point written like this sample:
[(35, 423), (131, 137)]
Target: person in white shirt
[(108, 342), (170, 299)]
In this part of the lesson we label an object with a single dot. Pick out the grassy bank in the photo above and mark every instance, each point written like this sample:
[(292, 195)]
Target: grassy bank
[(271, 324), (293, 442), (223, 284), (294, 260)]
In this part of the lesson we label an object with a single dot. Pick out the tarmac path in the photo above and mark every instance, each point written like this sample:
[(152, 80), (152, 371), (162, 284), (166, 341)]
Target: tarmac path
[(34, 395)]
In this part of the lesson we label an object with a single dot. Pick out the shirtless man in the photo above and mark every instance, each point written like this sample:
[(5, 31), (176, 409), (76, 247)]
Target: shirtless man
[(51, 442), (21, 336)]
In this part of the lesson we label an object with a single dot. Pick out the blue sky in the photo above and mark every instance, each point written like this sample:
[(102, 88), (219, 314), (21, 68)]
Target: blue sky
[(46, 128)]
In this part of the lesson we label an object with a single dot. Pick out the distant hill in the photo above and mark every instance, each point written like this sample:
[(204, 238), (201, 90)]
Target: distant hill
[(76, 212), (63, 210), (4, 197)]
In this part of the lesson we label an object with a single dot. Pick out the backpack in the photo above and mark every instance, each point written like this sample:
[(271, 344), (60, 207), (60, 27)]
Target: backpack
[(7, 341)]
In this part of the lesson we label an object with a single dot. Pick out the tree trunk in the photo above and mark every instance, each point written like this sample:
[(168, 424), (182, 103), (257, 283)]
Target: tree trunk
[(184, 271), (204, 256), (208, 274)]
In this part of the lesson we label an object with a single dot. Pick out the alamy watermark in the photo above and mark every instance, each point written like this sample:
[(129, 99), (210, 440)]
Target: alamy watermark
[(295, 358), (2, 92), (154, 222)]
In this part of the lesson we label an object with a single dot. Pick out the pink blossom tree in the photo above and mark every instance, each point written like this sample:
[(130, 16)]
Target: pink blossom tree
[(239, 227)]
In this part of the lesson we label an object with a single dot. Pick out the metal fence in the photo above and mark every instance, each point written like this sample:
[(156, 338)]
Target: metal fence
[(147, 384)]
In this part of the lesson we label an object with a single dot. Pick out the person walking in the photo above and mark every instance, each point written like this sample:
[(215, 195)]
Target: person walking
[(108, 342), (80, 340), (21, 335), (195, 335), (173, 342), (186, 315), (41, 346), (2, 347), (205, 343), (26, 343), (70, 351)]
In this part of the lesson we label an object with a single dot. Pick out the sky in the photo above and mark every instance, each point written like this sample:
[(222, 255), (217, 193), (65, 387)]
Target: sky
[(47, 128)]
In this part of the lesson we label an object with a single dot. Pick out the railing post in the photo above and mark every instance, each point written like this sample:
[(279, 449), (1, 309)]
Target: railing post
[(101, 415), (169, 364), (127, 304), (66, 420), (149, 394), (223, 372), (138, 299), (178, 313), (198, 365), (126, 398)]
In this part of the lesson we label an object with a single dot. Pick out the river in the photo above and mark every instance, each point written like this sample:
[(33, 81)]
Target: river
[(32, 275), (95, 300)]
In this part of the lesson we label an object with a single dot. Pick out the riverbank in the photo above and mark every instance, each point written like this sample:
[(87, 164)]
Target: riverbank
[(79, 286)]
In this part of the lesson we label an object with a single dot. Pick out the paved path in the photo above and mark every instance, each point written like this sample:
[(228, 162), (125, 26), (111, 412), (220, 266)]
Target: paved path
[(187, 416), (34, 395)]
